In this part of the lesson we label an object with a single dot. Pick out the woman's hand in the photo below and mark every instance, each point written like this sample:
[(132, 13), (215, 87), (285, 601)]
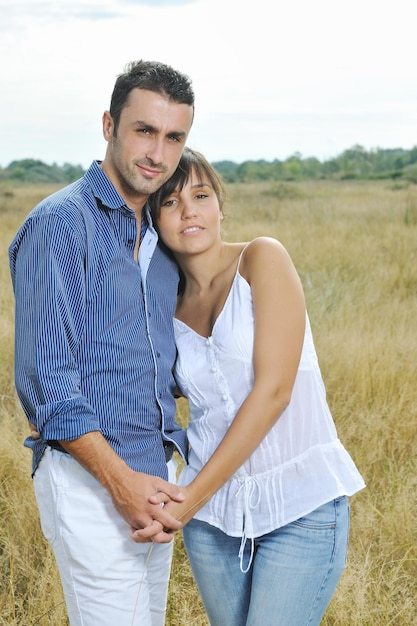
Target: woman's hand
[(34, 433)]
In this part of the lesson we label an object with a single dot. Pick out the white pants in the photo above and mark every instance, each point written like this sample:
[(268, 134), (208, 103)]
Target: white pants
[(108, 579)]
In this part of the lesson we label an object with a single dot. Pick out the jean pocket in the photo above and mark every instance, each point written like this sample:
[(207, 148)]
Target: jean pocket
[(324, 517)]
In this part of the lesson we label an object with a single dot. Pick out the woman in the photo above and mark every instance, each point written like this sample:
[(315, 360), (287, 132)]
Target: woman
[(267, 480)]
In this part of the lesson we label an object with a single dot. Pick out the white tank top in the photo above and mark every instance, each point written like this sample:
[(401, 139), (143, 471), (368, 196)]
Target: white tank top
[(300, 464)]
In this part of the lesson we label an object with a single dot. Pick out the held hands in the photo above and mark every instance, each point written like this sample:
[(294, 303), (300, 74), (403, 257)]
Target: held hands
[(182, 512), (145, 495)]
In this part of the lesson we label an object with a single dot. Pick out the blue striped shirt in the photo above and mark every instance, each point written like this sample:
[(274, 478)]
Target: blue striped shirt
[(94, 340)]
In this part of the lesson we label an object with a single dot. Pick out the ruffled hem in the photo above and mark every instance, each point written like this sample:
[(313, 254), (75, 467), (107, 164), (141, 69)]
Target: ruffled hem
[(254, 505)]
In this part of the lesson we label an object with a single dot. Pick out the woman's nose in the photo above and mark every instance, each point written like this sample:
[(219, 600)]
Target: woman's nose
[(188, 209)]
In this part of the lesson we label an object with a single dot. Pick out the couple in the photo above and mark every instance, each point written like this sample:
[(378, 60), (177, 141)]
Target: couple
[(263, 497)]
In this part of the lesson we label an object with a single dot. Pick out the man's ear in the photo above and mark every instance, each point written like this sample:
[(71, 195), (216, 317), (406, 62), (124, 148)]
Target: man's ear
[(108, 126)]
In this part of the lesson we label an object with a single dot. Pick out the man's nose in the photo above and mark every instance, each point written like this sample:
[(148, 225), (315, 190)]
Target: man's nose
[(155, 152)]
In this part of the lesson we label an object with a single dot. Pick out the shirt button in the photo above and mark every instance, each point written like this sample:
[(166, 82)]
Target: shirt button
[(224, 397), (158, 354)]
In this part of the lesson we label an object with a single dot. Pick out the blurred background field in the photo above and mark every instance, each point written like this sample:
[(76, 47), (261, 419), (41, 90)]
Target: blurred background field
[(354, 244)]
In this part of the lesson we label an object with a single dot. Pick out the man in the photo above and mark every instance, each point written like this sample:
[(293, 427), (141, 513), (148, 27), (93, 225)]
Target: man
[(94, 349)]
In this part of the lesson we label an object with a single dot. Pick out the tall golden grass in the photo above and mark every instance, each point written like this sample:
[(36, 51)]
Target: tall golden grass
[(355, 247)]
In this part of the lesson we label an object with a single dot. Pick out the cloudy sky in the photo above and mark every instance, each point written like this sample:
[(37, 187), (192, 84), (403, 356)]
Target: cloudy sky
[(272, 77)]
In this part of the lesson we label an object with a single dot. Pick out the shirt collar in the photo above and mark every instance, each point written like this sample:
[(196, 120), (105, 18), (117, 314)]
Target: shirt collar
[(105, 191), (103, 188)]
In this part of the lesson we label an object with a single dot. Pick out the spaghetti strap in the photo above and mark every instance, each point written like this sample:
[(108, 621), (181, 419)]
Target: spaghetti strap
[(240, 257)]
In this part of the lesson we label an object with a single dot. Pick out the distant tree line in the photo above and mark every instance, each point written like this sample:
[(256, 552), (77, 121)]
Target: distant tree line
[(35, 171), (354, 163)]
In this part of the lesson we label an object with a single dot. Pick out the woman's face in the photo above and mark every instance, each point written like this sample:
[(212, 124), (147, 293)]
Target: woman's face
[(189, 220)]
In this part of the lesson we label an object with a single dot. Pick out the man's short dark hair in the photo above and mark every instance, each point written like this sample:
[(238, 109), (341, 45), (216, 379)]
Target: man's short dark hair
[(153, 76)]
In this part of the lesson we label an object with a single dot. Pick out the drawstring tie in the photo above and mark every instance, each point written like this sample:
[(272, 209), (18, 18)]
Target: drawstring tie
[(251, 498)]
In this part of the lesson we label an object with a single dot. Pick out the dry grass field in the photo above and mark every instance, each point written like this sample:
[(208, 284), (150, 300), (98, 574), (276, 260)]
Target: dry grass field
[(355, 247)]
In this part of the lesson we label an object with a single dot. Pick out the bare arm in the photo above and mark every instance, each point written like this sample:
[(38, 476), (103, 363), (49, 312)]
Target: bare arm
[(279, 333)]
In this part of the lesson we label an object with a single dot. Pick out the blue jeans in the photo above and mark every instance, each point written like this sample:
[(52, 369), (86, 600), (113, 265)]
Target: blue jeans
[(291, 580)]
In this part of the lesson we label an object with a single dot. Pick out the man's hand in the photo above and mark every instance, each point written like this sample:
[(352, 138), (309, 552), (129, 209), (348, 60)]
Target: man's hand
[(133, 498)]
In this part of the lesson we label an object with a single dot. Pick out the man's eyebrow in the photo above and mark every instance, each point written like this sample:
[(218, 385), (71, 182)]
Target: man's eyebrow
[(141, 124), (180, 134)]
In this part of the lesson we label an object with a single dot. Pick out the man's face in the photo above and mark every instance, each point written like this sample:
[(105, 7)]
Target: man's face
[(145, 150)]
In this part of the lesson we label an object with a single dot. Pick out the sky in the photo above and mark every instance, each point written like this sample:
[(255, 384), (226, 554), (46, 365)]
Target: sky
[(271, 77)]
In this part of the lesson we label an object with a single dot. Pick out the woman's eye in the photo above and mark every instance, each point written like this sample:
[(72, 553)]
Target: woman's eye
[(169, 203)]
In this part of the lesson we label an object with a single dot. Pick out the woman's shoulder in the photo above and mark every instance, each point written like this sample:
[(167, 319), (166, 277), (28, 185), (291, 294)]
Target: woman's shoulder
[(263, 243), (262, 250), (258, 245), (266, 258)]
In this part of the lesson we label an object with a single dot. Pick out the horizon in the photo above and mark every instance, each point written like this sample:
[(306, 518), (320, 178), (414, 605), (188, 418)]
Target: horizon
[(296, 154)]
